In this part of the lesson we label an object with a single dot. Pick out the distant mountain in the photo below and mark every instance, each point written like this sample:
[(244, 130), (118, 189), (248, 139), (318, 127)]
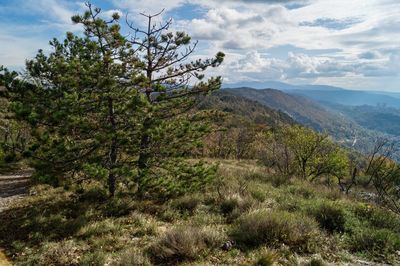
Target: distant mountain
[(392, 94), (301, 109), (330, 94), (348, 97), (343, 127), (379, 118), (279, 86)]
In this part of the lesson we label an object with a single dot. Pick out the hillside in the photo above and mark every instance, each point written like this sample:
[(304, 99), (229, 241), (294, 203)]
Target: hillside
[(379, 118), (344, 128), (300, 109), (246, 218), (247, 109)]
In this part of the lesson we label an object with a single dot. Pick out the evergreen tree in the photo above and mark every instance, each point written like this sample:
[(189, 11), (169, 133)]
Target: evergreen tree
[(170, 86), (82, 104), (102, 106), (13, 134)]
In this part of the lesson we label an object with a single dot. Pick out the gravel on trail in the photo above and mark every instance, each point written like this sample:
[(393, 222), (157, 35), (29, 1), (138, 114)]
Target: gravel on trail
[(12, 187)]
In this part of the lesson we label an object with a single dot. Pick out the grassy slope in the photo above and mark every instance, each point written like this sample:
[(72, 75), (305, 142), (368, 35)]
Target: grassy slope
[(57, 227)]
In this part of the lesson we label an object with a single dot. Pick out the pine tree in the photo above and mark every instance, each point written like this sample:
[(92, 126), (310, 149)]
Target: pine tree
[(170, 86), (13, 134), (82, 104), (105, 107)]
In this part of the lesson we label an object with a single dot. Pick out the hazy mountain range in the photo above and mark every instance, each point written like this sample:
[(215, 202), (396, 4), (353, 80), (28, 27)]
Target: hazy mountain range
[(353, 118), (331, 94)]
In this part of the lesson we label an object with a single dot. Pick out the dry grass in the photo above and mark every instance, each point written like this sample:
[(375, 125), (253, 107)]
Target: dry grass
[(59, 227), (273, 228)]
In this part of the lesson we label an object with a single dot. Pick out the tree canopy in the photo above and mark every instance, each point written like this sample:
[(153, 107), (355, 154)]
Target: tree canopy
[(105, 106)]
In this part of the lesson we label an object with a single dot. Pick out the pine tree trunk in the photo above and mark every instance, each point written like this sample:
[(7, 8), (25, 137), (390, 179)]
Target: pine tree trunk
[(144, 153), (113, 149)]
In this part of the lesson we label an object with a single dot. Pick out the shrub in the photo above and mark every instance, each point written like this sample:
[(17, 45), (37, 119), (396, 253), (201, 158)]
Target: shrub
[(268, 258), (107, 226), (60, 253), (133, 256), (118, 207), (187, 204), (278, 180), (169, 215), (94, 194), (378, 217), (316, 262), (274, 228), (330, 217), (305, 191), (184, 243), (374, 241), (144, 224), (228, 205), (259, 194), (97, 258), (235, 205)]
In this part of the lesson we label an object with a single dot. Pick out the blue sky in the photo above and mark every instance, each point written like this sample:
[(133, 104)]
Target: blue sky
[(352, 44)]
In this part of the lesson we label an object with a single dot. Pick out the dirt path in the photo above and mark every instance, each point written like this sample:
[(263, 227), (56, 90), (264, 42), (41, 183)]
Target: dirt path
[(12, 187)]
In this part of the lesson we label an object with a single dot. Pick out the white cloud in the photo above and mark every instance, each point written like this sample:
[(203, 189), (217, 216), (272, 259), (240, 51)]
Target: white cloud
[(15, 50), (363, 35)]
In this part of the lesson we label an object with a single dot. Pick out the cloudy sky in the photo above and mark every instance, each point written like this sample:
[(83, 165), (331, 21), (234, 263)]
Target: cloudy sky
[(347, 43)]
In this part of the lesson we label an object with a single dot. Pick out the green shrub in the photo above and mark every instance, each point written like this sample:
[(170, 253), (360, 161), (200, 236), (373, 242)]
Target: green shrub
[(97, 258), (267, 258), (374, 241), (117, 207), (274, 228), (378, 217), (184, 243), (302, 190), (228, 205), (2, 162), (94, 194), (330, 217), (278, 180), (10, 157), (169, 215), (107, 226), (232, 207), (316, 262), (289, 202), (187, 204)]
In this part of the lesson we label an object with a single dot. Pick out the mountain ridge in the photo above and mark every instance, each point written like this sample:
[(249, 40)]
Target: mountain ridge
[(326, 93)]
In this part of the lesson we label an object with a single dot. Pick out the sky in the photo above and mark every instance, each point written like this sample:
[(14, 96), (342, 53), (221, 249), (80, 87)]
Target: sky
[(346, 43)]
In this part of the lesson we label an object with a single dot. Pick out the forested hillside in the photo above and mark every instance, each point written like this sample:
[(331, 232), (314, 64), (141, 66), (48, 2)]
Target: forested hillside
[(346, 128), (379, 118)]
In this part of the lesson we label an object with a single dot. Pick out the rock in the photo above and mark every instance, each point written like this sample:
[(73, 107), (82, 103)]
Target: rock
[(228, 245)]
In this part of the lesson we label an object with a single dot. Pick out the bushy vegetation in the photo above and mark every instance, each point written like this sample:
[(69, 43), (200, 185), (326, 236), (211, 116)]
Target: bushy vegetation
[(184, 243), (275, 228), (330, 217), (228, 224)]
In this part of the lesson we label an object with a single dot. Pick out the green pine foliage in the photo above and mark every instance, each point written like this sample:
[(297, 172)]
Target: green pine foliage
[(108, 108)]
